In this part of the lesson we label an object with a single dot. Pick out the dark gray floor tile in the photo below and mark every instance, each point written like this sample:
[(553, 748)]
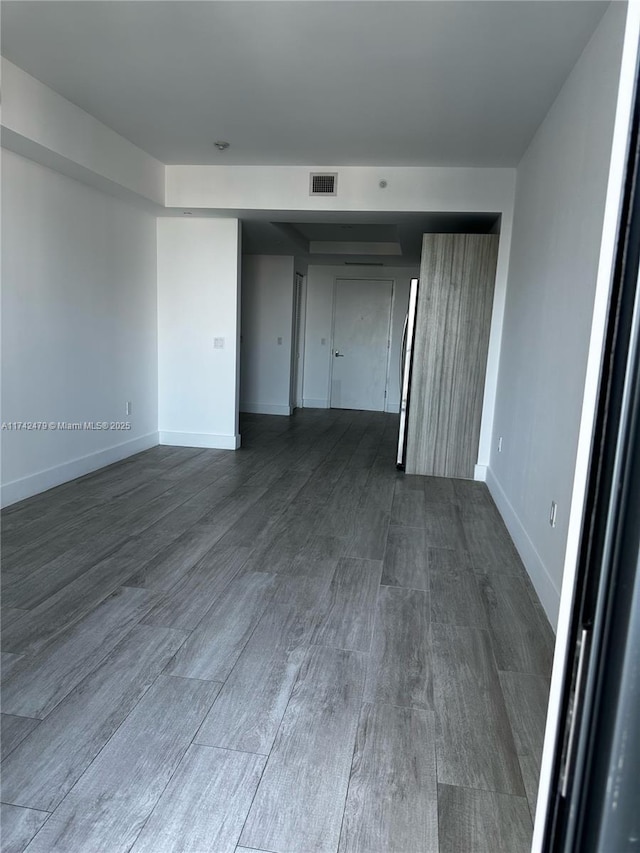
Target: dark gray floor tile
[(519, 636), (205, 805), (74, 601), (440, 521), (475, 745), (318, 557), (409, 483), (280, 543), (482, 822), (8, 662), (339, 514), (455, 598), (250, 850), (368, 539), (399, 670), (130, 774), (439, 490), (300, 800), (350, 606), (392, 801), (215, 645), (250, 707), (409, 561), (29, 589), (488, 542), (165, 570), (37, 685), (19, 825), (527, 697), (10, 614), (14, 731), (409, 508), (187, 602), (380, 486), (469, 493), (45, 766)]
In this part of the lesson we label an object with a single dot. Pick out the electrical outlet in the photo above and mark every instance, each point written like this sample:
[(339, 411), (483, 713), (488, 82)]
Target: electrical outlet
[(128, 408), (218, 343), (500, 445), (279, 342), (323, 342), (553, 514)]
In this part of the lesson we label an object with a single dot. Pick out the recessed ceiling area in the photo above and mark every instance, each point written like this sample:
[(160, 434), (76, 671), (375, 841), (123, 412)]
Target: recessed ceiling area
[(363, 238), (403, 82)]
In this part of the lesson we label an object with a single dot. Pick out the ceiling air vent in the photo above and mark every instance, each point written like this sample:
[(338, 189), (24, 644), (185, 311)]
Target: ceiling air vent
[(323, 183)]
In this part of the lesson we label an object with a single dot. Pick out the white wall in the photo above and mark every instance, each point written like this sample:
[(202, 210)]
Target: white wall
[(266, 331), (409, 188), (78, 326), (319, 319), (198, 301), (560, 197), (44, 126)]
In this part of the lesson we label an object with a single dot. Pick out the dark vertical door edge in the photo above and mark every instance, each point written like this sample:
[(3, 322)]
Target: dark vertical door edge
[(594, 804)]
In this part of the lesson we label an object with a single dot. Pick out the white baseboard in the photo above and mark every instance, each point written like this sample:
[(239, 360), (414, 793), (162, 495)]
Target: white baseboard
[(480, 473), (392, 408), (265, 409), (310, 403), (26, 487), (545, 587), (200, 439)]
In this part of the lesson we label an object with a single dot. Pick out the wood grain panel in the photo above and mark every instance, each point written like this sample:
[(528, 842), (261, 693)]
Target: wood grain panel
[(392, 800), (300, 801), (19, 826), (111, 802), (526, 697), (13, 730), (48, 763), (474, 744), (205, 805), (453, 321), (482, 822)]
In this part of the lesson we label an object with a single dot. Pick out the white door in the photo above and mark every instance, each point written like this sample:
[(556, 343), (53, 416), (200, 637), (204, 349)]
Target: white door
[(361, 329)]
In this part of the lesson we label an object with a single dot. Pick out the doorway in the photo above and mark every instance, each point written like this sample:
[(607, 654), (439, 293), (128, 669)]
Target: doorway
[(361, 340)]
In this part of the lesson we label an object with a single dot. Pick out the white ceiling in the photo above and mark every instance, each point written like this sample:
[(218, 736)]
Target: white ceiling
[(309, 83)]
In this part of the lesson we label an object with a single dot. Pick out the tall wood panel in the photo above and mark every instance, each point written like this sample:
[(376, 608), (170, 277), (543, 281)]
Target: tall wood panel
[(453, 320)]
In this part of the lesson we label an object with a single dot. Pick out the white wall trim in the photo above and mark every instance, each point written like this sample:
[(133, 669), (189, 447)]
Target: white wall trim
[(480, 473), (200, 439), (547, 591), (311, 403), (26, 487), (265, 409)]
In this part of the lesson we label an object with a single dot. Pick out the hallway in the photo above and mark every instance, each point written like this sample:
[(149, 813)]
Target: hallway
[(286, 649)]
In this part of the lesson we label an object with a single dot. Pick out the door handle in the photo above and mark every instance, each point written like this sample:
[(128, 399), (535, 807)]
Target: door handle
[(339, 354)]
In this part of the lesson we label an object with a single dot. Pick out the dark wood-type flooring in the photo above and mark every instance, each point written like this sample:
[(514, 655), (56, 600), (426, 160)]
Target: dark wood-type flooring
[(292, 648)]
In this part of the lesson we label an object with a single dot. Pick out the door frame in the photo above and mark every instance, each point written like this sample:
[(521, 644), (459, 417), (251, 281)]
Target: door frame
[(337, 278), (299, 322)]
